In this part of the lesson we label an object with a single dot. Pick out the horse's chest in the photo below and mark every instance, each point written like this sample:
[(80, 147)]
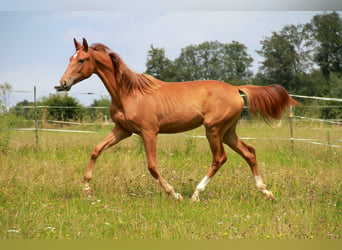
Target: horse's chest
[(128, 123)]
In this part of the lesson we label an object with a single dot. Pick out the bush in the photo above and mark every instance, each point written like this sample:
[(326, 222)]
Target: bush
[(63, 108)]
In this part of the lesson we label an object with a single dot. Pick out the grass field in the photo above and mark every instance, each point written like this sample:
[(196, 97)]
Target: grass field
[(41, 191)]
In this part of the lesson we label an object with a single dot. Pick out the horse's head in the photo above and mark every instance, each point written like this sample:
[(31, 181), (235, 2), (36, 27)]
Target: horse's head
[(80, 67)]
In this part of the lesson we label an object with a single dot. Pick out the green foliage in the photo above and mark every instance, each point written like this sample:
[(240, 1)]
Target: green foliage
[(99, 109), (279, 64), (205, 61), (159, 66), (326, 30), (24, 109), (292, 56), (63, 108)]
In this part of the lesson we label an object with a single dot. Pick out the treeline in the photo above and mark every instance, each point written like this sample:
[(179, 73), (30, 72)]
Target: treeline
[(61, 107), (305, 59)]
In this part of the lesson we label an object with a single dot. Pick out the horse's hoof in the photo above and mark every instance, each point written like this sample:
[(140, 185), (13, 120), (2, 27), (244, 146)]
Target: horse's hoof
[(194, 199), (270, 196), (179, 197), (87, 191)]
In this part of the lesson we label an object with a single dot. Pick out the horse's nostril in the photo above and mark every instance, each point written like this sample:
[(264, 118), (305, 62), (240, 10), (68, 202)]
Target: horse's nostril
[(64, 84)]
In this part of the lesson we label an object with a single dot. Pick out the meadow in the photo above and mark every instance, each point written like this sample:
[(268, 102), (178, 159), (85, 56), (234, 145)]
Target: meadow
[(41, 189)]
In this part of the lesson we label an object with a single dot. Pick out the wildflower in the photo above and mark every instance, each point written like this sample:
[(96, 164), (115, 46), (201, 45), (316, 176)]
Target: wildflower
[(13, 231), (49, 228)]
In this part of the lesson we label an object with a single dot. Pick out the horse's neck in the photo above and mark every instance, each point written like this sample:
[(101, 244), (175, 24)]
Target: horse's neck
[(108, 79)]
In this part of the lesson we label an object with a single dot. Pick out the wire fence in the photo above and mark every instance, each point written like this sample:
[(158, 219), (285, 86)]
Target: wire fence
[(294, 118)]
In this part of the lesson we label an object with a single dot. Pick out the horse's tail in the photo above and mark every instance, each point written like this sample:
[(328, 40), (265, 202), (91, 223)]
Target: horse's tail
[(269, 101)]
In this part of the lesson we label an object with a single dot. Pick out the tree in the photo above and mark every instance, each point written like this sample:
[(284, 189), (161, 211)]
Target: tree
[(280, 63), (326, 31), (237, 62), (100, 108), (5, 92), (21, 109), (63, 107), (214, 61), (287, 57), (205, 61), (158, 65), (298, 37)]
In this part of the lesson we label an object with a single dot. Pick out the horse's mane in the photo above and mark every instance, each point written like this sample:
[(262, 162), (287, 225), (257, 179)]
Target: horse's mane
[(129, 82)]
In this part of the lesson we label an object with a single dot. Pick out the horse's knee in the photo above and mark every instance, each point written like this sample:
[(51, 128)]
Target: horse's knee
[(95, 153), (251, 156), (218, 162), (87, 177)]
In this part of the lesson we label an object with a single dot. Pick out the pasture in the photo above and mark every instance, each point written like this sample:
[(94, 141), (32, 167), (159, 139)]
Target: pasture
[(41, 190)]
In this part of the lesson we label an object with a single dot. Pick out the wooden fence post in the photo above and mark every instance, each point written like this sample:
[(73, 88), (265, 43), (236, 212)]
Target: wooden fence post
[(291, 129)]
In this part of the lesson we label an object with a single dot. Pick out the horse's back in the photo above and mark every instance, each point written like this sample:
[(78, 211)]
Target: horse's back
[(186, 105)]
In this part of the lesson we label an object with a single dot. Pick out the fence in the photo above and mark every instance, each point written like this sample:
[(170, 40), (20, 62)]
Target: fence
[(293, 118)]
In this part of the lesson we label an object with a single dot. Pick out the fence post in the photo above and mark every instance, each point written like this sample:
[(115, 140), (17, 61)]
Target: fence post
[(35, 116), (291, 129)]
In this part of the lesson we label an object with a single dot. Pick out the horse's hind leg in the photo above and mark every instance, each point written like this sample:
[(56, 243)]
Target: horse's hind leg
[(113, 138), (248, 153)]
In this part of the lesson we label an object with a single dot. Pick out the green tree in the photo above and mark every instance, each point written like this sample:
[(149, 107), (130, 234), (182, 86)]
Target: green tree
[(22, 109), (326, 33), (228, 62), (299, 38), (159, 66), (279, 65), (63, 107), (100, 108), (214, 61), (237, 62)]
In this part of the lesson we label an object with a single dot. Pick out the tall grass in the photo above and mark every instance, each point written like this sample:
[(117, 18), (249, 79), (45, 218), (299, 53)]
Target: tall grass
[(41, 191)]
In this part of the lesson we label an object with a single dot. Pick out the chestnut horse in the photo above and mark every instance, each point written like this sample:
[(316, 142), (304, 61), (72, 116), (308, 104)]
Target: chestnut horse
[(147, 106)]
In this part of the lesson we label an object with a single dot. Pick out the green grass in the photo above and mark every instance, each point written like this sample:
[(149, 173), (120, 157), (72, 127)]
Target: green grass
[(41, 191)]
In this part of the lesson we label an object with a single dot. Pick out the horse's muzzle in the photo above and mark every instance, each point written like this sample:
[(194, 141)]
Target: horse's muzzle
[(64, 85)]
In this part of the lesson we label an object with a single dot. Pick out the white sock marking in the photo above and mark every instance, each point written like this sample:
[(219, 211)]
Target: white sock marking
[(204, 182), (258, 181)]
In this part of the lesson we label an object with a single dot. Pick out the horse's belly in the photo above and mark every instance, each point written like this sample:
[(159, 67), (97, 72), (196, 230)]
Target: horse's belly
[(175, 123)]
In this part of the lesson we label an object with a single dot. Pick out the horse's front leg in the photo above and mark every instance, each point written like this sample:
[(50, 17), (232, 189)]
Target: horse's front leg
[(117, 134), (150, 144)]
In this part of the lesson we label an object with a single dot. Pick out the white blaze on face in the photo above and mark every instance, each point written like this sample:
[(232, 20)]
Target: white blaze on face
[(75, 55)]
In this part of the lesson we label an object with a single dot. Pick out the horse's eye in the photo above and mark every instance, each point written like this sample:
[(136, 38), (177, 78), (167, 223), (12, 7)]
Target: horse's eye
[(81, 61)]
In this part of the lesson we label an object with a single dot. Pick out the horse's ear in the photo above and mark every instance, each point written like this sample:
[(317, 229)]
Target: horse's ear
[(85, 44), (77, 44)]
